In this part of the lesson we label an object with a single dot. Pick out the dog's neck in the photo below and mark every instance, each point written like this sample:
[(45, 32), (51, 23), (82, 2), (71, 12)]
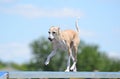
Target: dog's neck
[(60, 36)]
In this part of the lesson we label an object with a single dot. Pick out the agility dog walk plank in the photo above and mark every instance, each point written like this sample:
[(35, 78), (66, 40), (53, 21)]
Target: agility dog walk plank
[(40, 74)]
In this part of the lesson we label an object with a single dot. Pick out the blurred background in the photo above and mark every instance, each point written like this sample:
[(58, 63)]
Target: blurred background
[(24, 28)]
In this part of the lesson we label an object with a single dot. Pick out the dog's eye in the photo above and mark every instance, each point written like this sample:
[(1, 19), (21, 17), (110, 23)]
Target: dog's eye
[(53, 32), (49, 32)]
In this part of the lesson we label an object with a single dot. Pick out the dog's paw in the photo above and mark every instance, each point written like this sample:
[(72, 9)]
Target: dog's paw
[(47, 62), (67, 70), (72, 68)]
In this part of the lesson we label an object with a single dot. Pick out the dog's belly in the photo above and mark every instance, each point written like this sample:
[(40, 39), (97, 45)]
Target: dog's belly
[(62, 47)]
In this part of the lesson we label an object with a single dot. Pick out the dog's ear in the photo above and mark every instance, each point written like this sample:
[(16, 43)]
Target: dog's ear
[(58, 30)]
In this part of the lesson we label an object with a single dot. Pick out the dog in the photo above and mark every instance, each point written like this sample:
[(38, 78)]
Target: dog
[(67, 40)]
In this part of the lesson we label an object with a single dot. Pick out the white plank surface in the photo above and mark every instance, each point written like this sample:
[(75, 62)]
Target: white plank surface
[(40, 74)]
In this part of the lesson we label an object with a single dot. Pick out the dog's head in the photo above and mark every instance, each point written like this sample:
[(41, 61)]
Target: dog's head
[(53, 33)]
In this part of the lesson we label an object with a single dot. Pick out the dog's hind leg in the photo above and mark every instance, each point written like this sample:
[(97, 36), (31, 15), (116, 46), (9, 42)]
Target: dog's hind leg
[(73, 67)]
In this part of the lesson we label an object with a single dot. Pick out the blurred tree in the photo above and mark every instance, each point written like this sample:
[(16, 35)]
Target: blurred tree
[(2, 64), (89, 58), (18, 66)]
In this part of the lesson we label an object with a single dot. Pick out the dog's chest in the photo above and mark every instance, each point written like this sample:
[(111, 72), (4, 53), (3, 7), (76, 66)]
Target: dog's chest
[(61, 45)]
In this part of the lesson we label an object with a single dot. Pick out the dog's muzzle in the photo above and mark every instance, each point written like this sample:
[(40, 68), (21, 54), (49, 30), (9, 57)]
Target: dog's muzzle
[(50, 39)]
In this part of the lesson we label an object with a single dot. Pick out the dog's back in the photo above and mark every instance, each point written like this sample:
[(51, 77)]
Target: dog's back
[(69, 35)]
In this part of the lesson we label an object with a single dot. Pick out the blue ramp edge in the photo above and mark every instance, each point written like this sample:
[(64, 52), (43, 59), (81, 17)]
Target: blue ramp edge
[(2, 73)]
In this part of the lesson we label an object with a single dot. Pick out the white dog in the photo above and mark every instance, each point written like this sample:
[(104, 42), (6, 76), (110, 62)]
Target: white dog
[(66, 40)]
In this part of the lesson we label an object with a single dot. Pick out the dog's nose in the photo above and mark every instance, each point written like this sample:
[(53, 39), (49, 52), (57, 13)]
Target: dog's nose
[(50, 39)]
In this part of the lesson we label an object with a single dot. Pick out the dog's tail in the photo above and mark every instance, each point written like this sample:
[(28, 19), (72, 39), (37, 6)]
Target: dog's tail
[(76, 24)]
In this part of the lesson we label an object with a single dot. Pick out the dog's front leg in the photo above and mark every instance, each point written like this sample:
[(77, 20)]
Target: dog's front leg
[(49, 56)]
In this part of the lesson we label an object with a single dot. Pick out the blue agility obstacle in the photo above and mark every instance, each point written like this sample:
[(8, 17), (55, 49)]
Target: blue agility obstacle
[(3, 75)]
